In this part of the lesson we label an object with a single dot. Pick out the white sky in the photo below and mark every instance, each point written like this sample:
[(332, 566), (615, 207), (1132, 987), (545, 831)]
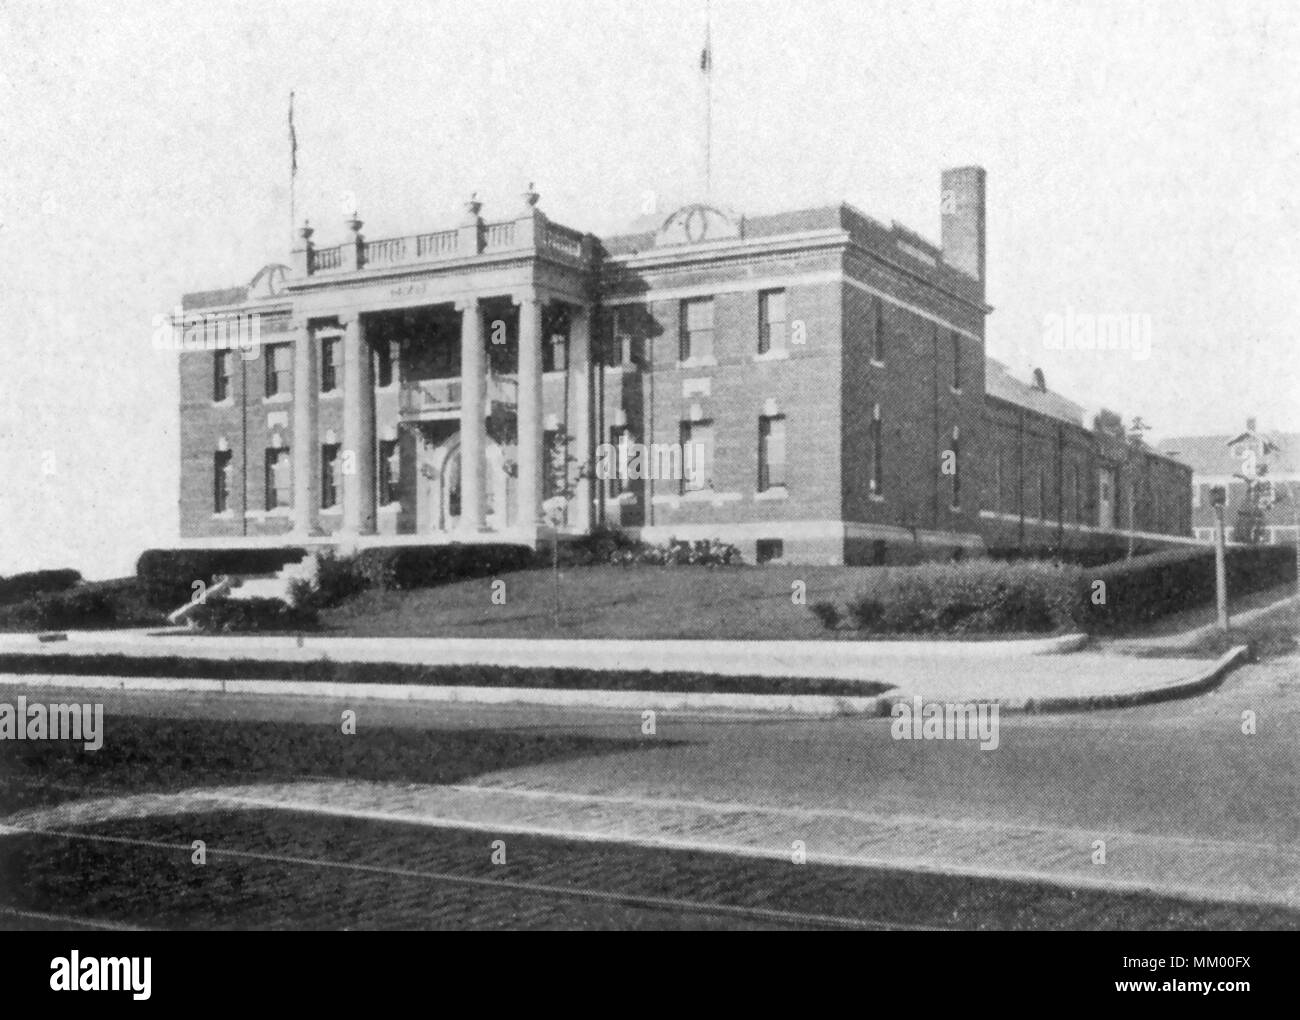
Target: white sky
[(1138, 156)]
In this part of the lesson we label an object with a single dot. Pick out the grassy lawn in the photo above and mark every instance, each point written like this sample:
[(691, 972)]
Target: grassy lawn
[(742, 603)]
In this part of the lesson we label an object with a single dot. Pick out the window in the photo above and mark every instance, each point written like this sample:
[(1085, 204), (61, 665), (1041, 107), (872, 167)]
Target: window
[(278, 478), (768, 549), (329, 475), (222, 466), (697, 455), (555, 352), (330, 352), (278, 360), (1197, 496), (621, 345), (220, 375), (616, 484), (876, 472), (771, 321), (697, 329), (390, 472), (1076, 487), (1042, 494), (956, 360), (388, 356), (771, 452), (877, 330)]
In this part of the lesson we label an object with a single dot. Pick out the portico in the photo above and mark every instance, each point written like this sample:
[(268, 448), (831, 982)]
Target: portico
[(445, 342)]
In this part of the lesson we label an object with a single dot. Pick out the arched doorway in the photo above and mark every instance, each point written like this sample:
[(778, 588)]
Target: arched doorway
[(442, 491)]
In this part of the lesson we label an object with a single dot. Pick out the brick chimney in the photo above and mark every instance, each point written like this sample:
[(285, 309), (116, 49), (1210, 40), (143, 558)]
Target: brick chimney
[(962, 214)]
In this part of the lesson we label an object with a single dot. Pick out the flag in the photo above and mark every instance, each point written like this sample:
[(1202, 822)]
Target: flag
[(706, 54), (293, 140)]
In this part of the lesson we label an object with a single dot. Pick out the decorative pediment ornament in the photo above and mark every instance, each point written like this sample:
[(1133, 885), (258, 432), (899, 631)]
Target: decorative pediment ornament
[(269, 281), (692, 224)]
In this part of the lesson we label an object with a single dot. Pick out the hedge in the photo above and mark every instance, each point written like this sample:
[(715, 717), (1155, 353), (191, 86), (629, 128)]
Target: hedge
[(96, 604), (991, 597), (21, 587), (168, 575), (339, 578), (1146, 588)]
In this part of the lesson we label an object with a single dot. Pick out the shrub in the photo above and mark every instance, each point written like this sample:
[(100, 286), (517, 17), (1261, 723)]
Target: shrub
[(117, 603), (229, 616), (709, 552), (168, 575), (978, 596), (339, 578), (827, 613), (21, 587), (603, 545)]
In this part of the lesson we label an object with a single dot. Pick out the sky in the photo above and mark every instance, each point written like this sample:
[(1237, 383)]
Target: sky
[(1142, 161)]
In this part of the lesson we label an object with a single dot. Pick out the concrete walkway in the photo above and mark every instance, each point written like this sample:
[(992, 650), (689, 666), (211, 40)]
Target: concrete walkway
[(847, 660)]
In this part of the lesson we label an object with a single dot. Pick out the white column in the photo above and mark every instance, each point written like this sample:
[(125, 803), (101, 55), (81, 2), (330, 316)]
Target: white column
[(473, 386), (306, 446), (529, 410), (580, 387), (358, 430)]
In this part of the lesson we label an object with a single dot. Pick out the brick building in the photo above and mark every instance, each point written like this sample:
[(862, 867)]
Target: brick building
[(822, 375)]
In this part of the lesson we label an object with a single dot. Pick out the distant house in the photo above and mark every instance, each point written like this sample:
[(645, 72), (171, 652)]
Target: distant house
[(1271, 459)]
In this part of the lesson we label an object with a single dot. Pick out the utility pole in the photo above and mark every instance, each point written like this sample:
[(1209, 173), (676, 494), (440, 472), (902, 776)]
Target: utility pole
[(1134, 458), (1218, 497)]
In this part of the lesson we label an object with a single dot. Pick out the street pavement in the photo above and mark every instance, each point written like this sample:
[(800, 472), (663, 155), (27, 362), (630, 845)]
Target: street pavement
[(1186, 801)]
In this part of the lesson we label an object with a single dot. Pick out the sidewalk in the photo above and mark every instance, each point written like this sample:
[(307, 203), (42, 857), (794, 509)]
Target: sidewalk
[(933, 671), (1196, 868)]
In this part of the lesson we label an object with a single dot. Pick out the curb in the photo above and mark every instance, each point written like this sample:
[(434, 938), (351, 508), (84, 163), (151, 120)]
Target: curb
[(1198, 683), (812, 705), (825, 705), (1207, 679)]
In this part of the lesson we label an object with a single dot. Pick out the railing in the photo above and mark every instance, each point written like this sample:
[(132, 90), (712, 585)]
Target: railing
[(441, 395), (437, 245), (326, 258), (446, 244), (562, 240), (386, 252), (499, 235)]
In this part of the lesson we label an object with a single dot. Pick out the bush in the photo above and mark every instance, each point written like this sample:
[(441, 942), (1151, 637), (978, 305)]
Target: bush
[(827, 613), (86, 607), (168, 575), (709, 552), (970, 597), (603, 545), (231, 616), (339, 578), (21, 587)]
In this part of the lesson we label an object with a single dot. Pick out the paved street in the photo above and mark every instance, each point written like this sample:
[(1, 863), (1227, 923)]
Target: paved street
[(1187, 804)]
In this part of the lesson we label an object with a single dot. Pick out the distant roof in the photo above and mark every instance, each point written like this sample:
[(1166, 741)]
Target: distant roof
[(1000, 383), (1213, 455)]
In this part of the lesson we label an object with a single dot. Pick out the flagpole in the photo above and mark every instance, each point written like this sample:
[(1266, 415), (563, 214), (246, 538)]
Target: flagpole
[(708, 102), (293, 176)]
